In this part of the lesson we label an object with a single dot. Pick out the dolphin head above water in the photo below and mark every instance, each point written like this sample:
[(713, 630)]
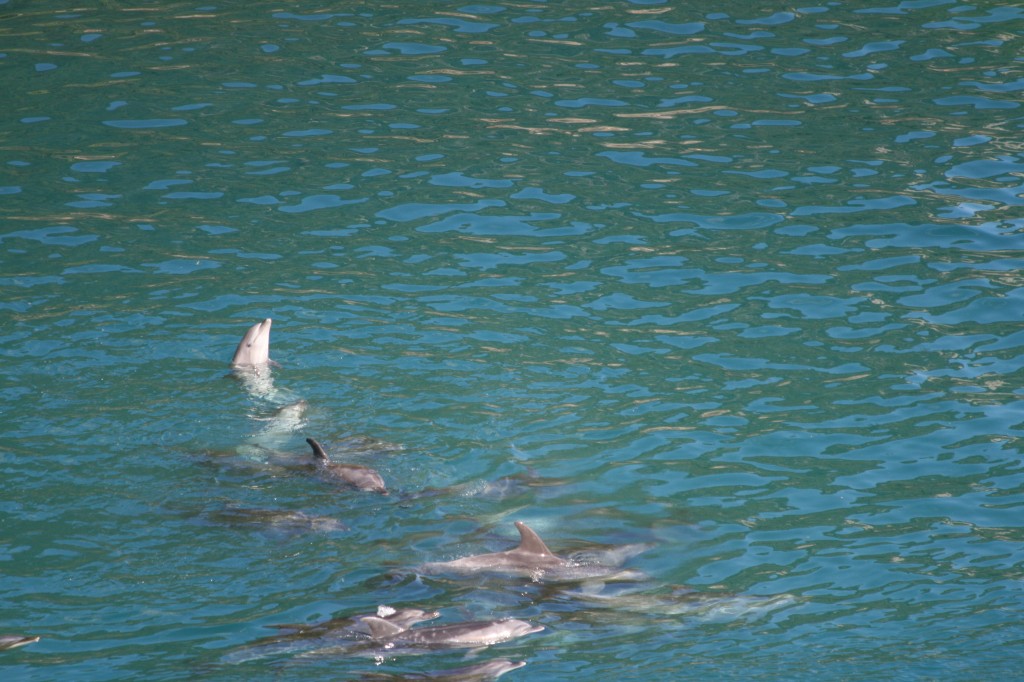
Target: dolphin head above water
[(254, 348)]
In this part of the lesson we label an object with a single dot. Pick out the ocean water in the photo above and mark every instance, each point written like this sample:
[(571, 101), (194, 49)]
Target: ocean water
[(739, 281)]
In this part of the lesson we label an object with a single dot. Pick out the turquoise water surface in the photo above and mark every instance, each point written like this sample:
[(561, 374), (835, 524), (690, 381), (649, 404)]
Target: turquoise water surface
[(738, 281)]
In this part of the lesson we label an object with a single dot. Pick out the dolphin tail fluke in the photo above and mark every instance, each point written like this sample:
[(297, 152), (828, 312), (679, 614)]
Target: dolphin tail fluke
[(530, 541)]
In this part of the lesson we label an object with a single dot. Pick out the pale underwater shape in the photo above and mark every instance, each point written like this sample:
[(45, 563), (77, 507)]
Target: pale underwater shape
[(710, 606), (277, 519), (15, 641), (472, 634), (276, 435), (478, 672)]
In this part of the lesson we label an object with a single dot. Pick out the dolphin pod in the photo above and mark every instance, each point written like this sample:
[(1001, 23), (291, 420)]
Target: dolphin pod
[(251, 364), (390, 631)]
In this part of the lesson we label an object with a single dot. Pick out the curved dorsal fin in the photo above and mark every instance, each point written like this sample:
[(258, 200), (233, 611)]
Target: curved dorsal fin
[(530, 541), (381, 629), (318, 450)]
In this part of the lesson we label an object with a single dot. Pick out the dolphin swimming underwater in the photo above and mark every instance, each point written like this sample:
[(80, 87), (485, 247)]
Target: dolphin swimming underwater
[(478, 672), (338, 635), (354, 475), (679, 601), (15, 641), (532, 559), (489, 670), (281, 424), (353, 626), (270, 446), (468, 635), (282, 520)]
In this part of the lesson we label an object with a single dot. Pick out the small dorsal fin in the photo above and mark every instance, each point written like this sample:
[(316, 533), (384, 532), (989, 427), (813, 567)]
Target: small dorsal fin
[(530, 541), (380, 629), (318, 450)]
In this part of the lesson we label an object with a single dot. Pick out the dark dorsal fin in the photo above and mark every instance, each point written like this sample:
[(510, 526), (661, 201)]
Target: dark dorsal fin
[(318, 450), (530, 541), (380, 629)]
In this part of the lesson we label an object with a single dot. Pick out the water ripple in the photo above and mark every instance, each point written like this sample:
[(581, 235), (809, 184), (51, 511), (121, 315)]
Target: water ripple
[(741, 283)]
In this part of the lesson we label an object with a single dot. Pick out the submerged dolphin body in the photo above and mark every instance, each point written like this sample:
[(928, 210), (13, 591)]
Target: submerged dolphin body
[(339, 635), (268, 445), (355, 475), (682, 601), (285, 420), (503, 488), (532, 559), (479, 672), (356, 625), (489, 670), (468, 635), (14, 641), (283, 520), (254, 348)]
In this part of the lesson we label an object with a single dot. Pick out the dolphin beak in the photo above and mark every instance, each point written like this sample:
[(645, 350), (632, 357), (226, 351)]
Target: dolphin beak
[(254, 348)]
